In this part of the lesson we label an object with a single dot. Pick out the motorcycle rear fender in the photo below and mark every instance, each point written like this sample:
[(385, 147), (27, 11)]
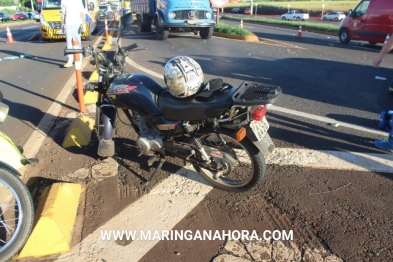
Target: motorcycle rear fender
[(266, 145)]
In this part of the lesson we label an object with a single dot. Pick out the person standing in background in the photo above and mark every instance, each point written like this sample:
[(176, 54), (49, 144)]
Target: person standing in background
[(73, 18), (386, 144)]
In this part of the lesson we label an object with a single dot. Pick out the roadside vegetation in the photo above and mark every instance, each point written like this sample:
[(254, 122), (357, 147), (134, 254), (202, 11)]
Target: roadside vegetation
[(231, 30), (314, 8), (292, 24)]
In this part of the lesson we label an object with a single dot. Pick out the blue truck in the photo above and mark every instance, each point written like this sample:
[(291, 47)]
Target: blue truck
[(174, 15)]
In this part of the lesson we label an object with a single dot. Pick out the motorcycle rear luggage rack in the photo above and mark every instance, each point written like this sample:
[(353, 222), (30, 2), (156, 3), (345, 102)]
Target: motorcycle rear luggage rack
[(249, 94)]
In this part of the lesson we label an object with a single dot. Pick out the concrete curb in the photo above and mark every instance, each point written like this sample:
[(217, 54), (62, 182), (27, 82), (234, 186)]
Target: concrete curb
[(248, 38), (57, 211), (79, 132)]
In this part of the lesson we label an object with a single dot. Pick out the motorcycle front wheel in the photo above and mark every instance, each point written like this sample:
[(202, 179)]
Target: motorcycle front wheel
[(16, 213), (243, 176)]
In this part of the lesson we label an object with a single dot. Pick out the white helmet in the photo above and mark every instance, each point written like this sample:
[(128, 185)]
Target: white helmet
[(183, 76)]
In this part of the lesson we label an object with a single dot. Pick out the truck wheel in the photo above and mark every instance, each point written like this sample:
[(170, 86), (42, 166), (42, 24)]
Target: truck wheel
[(298, 18), (284, 18), (162, 33), (344, 36), (206, 32)]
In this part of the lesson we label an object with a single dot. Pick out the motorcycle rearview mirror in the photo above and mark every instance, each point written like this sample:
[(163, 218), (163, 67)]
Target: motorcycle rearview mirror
[(126, 20)]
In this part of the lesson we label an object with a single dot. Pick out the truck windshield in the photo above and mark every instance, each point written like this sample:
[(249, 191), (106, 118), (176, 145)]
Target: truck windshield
[(361, 9), (54, 4)]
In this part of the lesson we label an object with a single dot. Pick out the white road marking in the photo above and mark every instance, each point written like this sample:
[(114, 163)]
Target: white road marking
[(326, 120), (30, 27), (165, 205), (336, 160)]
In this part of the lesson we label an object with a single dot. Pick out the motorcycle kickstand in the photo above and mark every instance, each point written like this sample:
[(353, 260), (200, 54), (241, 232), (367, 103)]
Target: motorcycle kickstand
[(162, 160)]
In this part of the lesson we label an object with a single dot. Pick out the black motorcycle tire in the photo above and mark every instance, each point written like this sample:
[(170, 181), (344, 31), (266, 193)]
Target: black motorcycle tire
[(258, 162), (9, 178)]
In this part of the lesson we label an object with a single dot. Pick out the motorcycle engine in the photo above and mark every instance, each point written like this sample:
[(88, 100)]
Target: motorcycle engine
[(149, 140)]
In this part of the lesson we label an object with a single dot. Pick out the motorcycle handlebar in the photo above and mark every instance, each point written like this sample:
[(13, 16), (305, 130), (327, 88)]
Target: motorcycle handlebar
[(127, 48), (74, 51)]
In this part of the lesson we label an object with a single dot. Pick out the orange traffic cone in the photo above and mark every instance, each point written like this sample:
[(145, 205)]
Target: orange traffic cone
[(10, 39), (387, 39), (241, 23), (299, 34)]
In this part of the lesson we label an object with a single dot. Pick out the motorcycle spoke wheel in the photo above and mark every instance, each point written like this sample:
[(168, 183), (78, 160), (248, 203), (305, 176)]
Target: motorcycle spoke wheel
[(16, 213), (242, 176)]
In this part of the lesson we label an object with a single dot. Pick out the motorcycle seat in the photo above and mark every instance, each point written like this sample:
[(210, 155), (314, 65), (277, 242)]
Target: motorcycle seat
[(196, 107)]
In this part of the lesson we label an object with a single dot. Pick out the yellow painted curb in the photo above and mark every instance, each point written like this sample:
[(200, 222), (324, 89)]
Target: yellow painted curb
[(106, 47), (90, 97), (55, 218), (249, 38), (94, 76), (79, 132)]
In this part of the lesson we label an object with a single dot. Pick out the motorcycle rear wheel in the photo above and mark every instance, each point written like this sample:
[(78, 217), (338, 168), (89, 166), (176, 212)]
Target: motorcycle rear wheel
[(247, 174), (16, 213)]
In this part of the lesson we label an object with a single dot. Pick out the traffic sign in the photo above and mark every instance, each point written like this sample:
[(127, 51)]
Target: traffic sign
[(219, 3)]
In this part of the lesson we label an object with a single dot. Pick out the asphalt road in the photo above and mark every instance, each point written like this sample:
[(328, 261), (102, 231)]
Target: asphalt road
[(320, 77)]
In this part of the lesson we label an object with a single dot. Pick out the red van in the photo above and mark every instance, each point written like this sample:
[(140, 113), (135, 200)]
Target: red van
[(370, 21)]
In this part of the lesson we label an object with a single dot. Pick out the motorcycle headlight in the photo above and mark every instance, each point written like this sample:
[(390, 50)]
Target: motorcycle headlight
[(172, 15), (208, 15), (3, 112)]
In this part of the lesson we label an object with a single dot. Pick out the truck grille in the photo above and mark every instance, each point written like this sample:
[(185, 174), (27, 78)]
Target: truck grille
[(55, 25), (185, 14)]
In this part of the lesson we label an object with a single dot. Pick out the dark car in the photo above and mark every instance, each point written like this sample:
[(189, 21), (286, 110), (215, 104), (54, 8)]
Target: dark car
[(4, 17), (19, 16), (235, 10)]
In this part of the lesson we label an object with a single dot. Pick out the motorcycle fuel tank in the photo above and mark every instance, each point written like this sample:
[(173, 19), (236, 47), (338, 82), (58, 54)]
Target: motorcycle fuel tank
[(136, 92)]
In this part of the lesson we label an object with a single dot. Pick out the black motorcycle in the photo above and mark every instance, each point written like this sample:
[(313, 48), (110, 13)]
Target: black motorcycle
[(221, 130)]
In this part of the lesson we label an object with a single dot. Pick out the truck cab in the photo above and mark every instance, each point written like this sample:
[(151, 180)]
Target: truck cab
[(173, 15)]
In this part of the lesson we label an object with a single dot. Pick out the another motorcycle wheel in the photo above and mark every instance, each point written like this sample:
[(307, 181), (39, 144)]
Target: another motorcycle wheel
[(246, 174), (16, 213)]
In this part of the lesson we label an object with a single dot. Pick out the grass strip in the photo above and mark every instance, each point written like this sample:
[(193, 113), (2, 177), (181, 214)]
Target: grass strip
[(294, 24), (231, 30)]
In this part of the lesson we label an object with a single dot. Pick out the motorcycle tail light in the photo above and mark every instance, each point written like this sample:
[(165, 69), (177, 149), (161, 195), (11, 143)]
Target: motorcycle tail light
[(241, 134), (258, 113)]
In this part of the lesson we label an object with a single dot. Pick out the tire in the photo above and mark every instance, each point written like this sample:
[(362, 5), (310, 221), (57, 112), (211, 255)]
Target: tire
[(206, 32), (162, 33), (283, 18), (336, 19), (244, 150), (324, 18), (21, 219), (344, 36), (297, 18)]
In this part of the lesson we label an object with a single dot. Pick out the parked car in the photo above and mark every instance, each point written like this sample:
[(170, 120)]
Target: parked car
[(247, 10), (235, 10), (36, 17), (4, 17), (295, 15), (19, 16), (334, 16)]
